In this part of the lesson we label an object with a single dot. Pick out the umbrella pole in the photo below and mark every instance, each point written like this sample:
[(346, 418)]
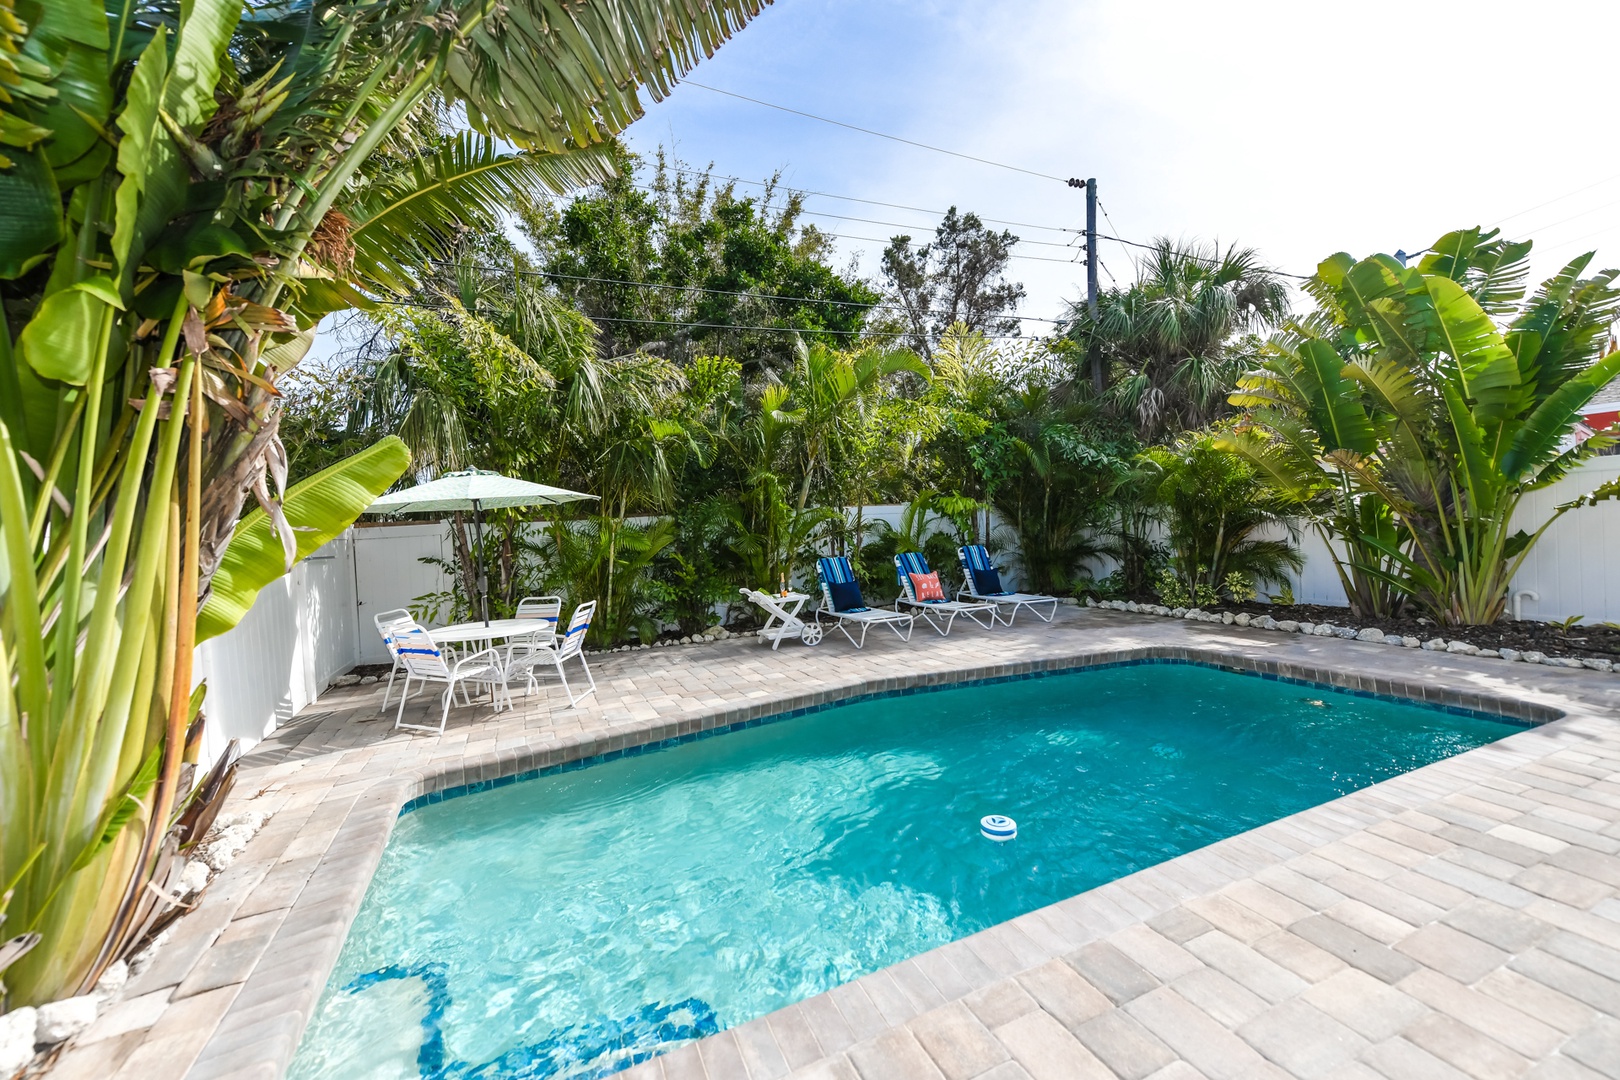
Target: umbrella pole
[(478, 559)]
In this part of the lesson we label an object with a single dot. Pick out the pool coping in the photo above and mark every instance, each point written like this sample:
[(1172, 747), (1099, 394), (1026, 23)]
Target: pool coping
[(263, 995)]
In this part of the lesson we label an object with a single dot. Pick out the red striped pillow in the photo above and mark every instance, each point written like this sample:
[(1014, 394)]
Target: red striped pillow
[(927, 586)]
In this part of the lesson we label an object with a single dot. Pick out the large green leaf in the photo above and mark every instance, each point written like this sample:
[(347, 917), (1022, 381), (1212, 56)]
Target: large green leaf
[(143, 152), (61, 340), (318, 509), (70, 37), (30, 213), (1335, 401), (1536, 442), (1484, 368)]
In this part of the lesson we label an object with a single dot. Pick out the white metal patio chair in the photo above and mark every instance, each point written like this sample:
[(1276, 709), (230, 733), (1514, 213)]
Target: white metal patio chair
[(563, 647), (906, 564), (545, 611), (981, 581), (843, 603), (781, 624), (390, 623), (427, 662)]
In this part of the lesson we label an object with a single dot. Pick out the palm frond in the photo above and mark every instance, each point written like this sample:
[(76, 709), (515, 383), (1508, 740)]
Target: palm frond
[(546, 76), (415, 208)]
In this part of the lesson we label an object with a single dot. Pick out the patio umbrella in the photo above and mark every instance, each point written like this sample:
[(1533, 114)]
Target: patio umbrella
[(473, 489)]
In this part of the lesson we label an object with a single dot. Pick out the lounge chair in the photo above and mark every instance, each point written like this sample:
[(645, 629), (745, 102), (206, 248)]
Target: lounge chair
[(982, 581), (907, 563), (781, 623), (842, 602), (427, 662), (523, 657)]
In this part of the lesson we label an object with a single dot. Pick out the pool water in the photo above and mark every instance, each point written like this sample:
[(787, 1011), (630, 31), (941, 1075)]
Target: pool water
[(577, 923)]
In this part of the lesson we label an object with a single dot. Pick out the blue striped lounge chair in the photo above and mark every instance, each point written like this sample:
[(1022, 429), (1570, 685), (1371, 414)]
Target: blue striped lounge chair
[(982, 581), (906, 563), (841, 601)]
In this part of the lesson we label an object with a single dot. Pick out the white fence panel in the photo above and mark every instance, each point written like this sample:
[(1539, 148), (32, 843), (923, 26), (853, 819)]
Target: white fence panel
[(299, 633), (316, 623)]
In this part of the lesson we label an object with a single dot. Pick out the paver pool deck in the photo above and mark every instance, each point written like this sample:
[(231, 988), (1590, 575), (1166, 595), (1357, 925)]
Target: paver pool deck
[(1458, 920)]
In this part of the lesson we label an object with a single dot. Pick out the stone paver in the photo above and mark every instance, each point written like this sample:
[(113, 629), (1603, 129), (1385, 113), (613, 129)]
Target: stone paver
[(1461, 920)]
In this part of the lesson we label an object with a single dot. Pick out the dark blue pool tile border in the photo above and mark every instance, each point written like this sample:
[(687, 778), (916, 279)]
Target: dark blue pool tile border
[(637, 750)]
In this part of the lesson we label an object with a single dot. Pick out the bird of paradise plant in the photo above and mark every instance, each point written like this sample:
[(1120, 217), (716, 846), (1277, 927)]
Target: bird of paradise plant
[(1442, 393), (185, 190)]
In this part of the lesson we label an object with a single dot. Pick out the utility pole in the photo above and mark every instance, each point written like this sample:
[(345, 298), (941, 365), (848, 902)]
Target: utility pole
[(1092, 352)]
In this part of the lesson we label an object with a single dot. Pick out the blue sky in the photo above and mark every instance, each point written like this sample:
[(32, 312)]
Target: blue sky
[(1298, 128)]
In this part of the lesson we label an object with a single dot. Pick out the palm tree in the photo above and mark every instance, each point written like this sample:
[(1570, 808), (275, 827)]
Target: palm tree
[(1167, 340), (273, 163)]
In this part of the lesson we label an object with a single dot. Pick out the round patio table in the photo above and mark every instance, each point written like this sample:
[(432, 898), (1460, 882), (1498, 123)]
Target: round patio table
[(492, 631)]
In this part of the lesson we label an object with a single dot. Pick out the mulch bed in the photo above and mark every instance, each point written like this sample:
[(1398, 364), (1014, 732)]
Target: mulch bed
[(1596, 641)]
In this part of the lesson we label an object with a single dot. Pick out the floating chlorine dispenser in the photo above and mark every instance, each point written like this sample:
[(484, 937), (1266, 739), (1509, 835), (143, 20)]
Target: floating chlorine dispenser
[(998, 828)]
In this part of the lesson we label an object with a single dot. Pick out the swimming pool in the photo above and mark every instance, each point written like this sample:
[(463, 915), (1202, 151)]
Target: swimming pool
[(574, 924)]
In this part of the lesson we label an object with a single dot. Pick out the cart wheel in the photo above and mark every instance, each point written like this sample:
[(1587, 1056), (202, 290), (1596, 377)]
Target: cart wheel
[(811, 634)]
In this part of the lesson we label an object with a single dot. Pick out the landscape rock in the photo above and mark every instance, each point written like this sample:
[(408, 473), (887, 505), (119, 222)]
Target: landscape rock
[(1570, 662), (1435, 645), (1227, 618), (1193, 613), (194, 877), (1372, 633), (1508, 654), (367, 680), (1306, 628), (111, 983), (1178, 612), (346, 680), (686, 641), (16, 1040), (1243, 618), (1323, 630), (1411, 643), (1461, 647), (1598, 665), (61, 1020), (1287, 626), (1533, 657), (1090, 602), (1349, 633), (1266, 622), (1131, 605)]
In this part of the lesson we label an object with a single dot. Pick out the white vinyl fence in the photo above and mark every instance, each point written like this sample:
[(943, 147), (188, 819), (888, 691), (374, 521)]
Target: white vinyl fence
[(316, 623)]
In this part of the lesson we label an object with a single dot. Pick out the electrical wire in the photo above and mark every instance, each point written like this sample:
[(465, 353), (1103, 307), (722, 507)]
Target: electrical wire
[(870, 202), (879, 134), (1561, 198)]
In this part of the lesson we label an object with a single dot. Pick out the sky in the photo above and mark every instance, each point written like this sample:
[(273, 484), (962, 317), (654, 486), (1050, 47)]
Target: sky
[(1299, 129)]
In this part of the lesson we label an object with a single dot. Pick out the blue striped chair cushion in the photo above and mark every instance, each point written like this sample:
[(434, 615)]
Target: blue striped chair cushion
[(838, 586)]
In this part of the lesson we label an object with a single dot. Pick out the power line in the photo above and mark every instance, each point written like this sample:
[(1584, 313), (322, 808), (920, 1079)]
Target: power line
[(1561, 198), (870, 202), (879, 134)]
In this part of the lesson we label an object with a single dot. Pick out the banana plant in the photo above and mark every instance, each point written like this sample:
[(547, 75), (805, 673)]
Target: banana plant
[(1300, 411), (185, 190), (1470, 392)]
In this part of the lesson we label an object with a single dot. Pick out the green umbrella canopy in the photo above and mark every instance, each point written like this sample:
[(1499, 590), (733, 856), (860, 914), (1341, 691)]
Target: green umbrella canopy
[(472, 489)]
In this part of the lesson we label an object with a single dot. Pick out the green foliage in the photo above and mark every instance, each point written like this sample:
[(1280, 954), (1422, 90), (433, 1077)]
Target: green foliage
[(1454, 396), (1212, 506), (1173, 343), (1239, 587), (185, 190), (672, 260)]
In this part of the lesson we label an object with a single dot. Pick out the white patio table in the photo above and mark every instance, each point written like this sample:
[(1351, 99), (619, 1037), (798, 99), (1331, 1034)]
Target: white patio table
[(486, 634)]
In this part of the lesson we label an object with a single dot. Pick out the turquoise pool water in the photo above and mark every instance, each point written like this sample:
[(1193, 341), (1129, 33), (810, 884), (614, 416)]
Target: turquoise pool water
[(574, 924)]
